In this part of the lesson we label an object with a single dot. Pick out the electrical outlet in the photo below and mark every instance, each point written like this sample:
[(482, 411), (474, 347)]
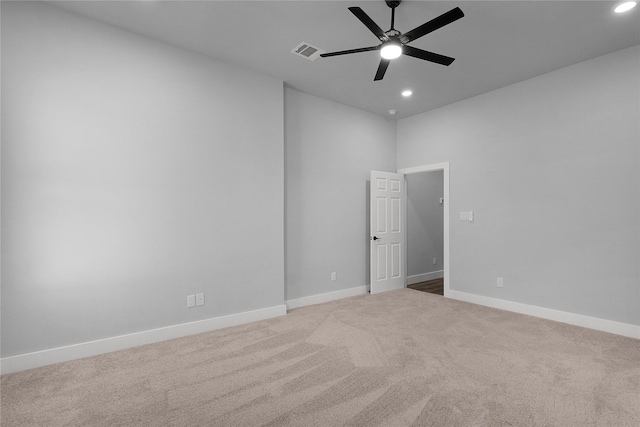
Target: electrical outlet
[(199, 299), (191, 301), (500, 282), (334, 276)]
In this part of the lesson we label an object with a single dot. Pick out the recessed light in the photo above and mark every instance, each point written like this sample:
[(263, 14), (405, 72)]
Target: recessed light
[(406, 93), (625, 7)]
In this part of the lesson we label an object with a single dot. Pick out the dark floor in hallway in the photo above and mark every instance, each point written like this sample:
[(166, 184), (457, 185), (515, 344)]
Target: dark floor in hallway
[(435, 286)]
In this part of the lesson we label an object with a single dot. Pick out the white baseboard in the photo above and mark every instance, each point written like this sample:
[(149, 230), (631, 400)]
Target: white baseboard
[(417, 278), (94, 348), (326, 297), (618, 328)]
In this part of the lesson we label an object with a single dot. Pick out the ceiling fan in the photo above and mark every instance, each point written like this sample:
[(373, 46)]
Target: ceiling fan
[(394, 43)]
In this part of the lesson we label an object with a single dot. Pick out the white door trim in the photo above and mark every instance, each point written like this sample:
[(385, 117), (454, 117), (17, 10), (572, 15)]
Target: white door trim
[(444, 167)]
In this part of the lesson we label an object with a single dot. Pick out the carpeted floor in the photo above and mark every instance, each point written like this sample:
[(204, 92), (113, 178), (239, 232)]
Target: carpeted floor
[(401, 358)]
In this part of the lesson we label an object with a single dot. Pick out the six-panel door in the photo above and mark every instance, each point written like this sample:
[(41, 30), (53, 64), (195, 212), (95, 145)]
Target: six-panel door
[(387, 233)]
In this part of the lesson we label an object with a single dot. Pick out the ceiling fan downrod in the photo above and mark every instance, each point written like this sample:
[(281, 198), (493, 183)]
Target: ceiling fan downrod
[(393, 4)]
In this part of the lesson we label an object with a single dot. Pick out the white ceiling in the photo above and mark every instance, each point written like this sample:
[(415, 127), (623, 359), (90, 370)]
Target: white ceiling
[(496, 44)]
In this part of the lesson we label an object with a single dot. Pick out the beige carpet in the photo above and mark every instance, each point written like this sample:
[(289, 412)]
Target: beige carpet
[(402, 358)]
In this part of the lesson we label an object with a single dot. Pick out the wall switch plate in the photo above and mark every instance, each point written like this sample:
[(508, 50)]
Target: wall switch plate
[(441, 200), (334, 276), (199, 299), (500, 282), (434, 261), (191, 301), (466, 216)]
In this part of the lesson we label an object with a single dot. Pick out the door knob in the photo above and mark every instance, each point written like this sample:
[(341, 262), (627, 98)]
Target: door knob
[(375, 238)]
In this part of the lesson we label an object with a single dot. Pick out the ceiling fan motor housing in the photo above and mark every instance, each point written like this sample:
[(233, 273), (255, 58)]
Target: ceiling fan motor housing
[(392, 3)]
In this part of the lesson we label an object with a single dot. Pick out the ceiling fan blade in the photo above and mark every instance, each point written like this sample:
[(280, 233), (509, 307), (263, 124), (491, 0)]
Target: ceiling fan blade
[(382, 68), (439, 22), (346, 52), (427, 56), (372, 26)]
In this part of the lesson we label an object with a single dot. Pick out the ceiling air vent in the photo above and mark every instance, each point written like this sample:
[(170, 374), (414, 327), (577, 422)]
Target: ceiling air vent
[(307, 51)]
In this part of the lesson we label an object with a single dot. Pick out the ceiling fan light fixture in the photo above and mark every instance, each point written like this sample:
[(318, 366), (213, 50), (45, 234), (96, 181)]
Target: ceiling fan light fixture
[(391, 50), (624, 6)]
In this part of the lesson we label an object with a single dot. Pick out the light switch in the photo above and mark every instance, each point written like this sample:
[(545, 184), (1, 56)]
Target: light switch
[(464, 216), (470, 216)]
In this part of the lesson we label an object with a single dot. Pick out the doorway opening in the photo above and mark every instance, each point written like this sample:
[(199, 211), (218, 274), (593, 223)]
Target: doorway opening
[(425, 220), (427, 228)]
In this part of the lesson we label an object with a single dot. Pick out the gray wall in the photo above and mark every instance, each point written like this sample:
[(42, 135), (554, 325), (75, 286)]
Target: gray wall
[(133, 174), (550, 167), (329, 150), (130, 178), (425, 216)]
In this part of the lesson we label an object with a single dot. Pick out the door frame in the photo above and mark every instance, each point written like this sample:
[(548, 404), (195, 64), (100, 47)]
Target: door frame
[(444, 167)]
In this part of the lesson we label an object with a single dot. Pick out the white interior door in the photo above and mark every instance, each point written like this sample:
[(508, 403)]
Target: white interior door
[(387, 231)]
